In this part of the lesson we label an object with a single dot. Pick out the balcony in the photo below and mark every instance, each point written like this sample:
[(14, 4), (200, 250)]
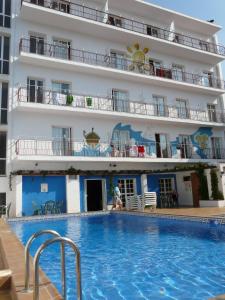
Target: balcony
[(101, 21), (31, 149), (107, 65), (38, 99)]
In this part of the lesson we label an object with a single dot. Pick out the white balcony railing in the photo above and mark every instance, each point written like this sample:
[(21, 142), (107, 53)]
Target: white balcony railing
[(33, 94)]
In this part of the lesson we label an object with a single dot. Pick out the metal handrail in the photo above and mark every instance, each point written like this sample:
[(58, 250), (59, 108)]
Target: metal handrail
[(86, 12), (27, 254), (62, 241), (121, 64)]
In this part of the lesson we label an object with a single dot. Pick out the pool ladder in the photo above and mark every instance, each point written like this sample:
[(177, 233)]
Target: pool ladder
[(57, 238)]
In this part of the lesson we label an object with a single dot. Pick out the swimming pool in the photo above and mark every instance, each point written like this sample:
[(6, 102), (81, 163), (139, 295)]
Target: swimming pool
[(134, 257)]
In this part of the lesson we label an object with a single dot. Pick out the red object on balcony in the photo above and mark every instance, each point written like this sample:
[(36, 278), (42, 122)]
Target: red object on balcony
[(141, 151)]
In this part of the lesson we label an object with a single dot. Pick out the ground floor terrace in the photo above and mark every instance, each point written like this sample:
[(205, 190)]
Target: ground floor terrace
[(44, 192)]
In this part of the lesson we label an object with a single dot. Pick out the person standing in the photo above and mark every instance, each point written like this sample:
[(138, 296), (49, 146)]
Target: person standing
[(118, 204)]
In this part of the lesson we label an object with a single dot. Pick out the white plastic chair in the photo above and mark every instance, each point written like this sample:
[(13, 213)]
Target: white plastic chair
[(149, 199)]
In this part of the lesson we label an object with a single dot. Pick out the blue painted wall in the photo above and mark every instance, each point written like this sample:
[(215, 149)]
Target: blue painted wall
[(107, 179), (153, 181), (34, 201)]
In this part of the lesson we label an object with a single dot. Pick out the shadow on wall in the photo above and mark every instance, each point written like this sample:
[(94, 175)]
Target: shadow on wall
[(43, 195)]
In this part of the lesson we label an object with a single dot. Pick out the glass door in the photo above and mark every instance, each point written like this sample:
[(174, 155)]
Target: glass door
[(159, 105), (182, 108), (162, 150), (118, 60), (37, 44), (212, 112), (127, 188), (35, 91), (61, 141), (185, 146), (62, 49), (216, 147), (120, 101), (121, 143), (60, 91), (178, 73)]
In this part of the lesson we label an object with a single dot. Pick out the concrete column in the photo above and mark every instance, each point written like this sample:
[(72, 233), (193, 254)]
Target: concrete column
[(73, 193), (144, 183), (18, 196), (208, 176)]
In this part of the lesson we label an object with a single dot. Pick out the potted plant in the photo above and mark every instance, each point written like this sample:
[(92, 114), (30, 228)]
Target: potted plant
[(217, 198), (89, 101), (69, 99)]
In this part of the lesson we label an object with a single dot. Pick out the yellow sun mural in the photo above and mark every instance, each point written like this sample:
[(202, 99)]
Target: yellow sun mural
[(138, 58)]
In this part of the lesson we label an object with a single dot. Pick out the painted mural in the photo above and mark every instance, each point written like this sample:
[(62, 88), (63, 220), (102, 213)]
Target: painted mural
[(125, 141), (43, 195), (138, 58)]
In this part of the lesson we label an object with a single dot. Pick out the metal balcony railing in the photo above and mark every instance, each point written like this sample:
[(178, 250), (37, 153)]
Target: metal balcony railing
[(122, 64), (129, 24), (34, 94), (114, 148)]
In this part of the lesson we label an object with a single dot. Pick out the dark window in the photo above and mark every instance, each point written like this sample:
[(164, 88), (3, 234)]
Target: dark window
[(2, 153), (5, 13), (2, 199), (4, 54), (4, 103)]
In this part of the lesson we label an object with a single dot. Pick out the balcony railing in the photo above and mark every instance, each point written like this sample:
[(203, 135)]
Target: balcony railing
[(122, 64), (129, 24), (114, 148), (33, 94)]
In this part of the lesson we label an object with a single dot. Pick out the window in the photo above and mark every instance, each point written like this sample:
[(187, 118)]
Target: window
[(5, 13), (3, 103), (178, 72), (162, 150), (159, 106), (207, 79), (212, 112), (62, 49), (63, 6), (120, 100), (61, 141), (2, 153), (35, 90), (153, 31), (204, 45), (182, 111), (38, 2), (59, 92), (2, 199), (114, 20), (4, 54), (37, 44), (185, 146), (166, 186), (216, 147), (127, 188), (118, 60)]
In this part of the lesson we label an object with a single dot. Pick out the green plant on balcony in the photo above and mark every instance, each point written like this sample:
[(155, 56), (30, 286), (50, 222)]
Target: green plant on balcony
[(89, 101), (216, 193), (69, 99)]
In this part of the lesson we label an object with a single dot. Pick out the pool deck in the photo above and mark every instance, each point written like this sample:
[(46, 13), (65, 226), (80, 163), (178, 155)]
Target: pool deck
[(203, 212), (12, 257)]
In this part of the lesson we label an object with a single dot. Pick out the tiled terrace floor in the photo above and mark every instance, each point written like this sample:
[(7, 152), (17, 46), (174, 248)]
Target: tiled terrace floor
[(192, 212)]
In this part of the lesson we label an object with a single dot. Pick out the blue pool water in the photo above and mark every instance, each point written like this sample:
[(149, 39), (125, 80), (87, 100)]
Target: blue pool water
[(130, 257)]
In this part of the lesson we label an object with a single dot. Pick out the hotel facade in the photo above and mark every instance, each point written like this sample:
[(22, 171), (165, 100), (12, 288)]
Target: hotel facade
[(97, 93)]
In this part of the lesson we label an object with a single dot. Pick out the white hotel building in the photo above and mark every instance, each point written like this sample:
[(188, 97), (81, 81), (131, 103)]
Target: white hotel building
[(101, 92)]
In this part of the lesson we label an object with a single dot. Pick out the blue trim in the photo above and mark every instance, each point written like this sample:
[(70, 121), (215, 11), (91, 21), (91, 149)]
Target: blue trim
[(107, 179)]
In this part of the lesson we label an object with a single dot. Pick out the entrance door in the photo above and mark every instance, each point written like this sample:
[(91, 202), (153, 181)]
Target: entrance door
[(195, 189), (216, 147), (162, 150), (185, 144), (94, 194), (35, 90), (127, 188)]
